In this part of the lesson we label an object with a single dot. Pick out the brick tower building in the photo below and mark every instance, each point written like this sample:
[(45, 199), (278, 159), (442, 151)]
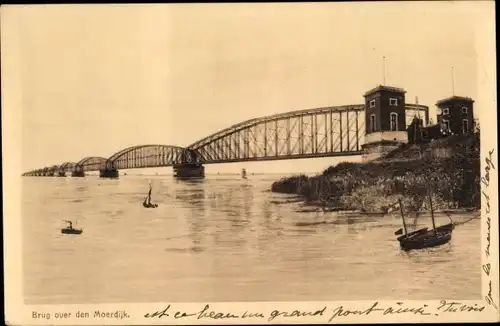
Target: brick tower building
[(385, 123)]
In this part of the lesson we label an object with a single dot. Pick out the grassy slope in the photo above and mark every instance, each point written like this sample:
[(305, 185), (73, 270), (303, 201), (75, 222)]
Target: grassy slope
[(407, 172)]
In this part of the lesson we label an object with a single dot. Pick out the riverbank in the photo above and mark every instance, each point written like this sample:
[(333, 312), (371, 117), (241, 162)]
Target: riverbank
[(449, 167)]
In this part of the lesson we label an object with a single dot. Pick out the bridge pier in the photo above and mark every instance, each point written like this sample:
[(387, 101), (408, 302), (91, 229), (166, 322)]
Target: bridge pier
[(77, 173), (373, 151), (189, 171), (110, 173), (61, 174)]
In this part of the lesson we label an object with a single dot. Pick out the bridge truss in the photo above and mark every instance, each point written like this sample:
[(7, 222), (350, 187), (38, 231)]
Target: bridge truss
[(330, 131), (66, 167), (415, 110), (147, 156), (90, 163)]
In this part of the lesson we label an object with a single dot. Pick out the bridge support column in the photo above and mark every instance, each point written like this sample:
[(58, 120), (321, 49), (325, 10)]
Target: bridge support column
[(61, 174), (110, 173), (189, 171), (77, 173)]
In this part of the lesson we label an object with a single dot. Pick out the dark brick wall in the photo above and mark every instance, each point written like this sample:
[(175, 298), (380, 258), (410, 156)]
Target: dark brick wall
[(383, 110), (455, 116), (369, 111)]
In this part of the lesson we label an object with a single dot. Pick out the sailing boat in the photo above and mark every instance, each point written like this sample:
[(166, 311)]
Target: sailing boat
[(424, 238), (243, 173), (147, 201), (70, 230)]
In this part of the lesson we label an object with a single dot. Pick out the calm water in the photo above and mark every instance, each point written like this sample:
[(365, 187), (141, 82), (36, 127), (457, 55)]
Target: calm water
[(223, 239)]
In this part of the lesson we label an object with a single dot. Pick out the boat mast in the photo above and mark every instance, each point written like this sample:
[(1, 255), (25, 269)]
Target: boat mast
[(149, 193), (432, 212), (402, 216)]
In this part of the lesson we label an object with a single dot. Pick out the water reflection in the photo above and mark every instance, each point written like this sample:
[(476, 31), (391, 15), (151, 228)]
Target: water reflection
[(234, 212), (193, 198), (81, 189), (248, 198), (436, 255)]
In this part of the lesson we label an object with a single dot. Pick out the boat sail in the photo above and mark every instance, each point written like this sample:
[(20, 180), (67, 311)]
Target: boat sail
[(423, 238), (147, 201)]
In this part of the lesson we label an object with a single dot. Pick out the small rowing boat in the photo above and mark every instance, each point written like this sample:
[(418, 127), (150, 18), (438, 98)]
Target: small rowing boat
[(70, 230)]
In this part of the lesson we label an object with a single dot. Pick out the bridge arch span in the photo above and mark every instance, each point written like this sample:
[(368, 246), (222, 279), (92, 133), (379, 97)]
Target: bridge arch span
[(90, 163), (66, 166), (320, 132), (152, 155)]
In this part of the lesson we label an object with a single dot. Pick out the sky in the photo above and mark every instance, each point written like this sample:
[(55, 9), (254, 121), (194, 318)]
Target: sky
[(94, 79)]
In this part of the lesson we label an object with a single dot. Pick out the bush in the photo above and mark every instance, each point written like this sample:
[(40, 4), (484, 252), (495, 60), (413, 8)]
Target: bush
[(453, 181)]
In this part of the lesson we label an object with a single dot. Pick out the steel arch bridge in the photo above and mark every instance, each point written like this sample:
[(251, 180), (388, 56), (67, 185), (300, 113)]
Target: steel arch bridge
[(147, 156), (329, 131), (90, 163), (66, 167), (320, 132), (46, 171), (52, 170), (416, 110)]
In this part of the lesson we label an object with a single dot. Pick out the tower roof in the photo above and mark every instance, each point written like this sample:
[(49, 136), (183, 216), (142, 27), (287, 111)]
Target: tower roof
[(385, 88), (454, 98)]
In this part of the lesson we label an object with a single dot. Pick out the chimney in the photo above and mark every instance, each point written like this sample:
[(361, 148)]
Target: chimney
[(416, 99)]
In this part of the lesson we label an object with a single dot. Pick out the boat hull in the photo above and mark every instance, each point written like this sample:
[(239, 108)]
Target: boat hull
[(445, 228), (424, 240), (71, 231)]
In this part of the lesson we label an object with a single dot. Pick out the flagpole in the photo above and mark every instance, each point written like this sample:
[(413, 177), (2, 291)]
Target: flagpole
[(402, 215), (383, 69), (453, 80)]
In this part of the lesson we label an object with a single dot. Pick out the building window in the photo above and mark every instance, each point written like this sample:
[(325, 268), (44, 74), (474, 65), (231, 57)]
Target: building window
[(394, 121), (373, 126), (393, 102), (372, 103), (465, 126), (446, 125), (464, 109), (446, 111)]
